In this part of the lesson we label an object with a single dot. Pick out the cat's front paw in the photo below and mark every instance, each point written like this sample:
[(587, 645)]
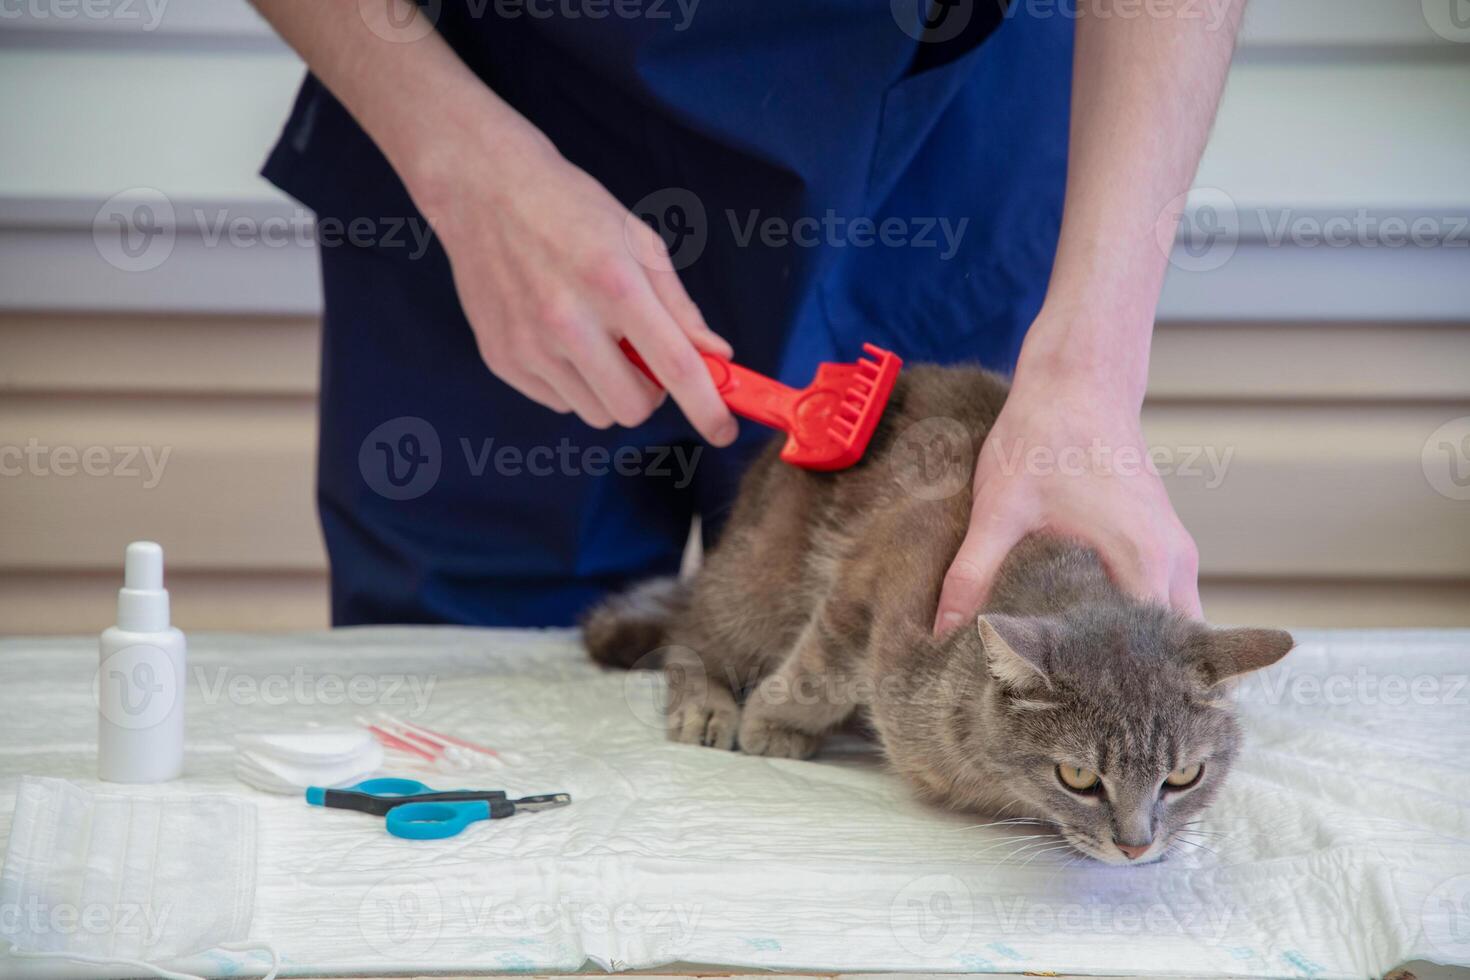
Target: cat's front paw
[(761, 736), (709, 724)]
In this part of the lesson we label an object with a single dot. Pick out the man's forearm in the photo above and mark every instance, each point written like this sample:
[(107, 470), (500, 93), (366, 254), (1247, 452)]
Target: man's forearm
[(403, 84), (1146, 83)]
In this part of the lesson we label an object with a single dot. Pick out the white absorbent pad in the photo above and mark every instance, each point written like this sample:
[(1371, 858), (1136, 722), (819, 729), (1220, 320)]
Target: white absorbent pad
[(287, 762), (1340, 847)]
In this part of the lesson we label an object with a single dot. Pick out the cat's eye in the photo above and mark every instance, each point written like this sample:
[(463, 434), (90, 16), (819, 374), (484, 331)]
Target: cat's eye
[(1184, 778), (1078, 780)]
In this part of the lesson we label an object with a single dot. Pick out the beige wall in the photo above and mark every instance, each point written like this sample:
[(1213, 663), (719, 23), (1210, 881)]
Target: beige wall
[(229, 400), (1324, 514)]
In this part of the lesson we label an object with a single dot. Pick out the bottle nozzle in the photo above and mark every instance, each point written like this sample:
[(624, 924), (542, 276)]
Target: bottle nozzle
[(144, 566), (142, 602)]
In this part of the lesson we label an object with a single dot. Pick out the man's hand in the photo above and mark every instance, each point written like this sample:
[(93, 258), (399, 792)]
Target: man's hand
[(551, 271), (1067, 457), (1144, 91)]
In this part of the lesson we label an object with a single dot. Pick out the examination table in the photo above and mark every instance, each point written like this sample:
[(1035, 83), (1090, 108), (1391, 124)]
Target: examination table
[(1340, 847)]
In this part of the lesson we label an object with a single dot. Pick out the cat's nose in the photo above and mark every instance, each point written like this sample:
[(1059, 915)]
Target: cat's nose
[(1133, 851)]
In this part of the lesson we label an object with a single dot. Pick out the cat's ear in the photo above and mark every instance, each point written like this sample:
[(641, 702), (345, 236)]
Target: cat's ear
[(1223, 653), (1015, 650)]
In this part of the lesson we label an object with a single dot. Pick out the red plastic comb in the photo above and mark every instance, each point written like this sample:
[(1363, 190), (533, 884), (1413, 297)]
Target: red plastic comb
[(828, 423)]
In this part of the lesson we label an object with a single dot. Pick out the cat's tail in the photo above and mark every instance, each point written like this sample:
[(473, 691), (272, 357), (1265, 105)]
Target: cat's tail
[(627, 629)]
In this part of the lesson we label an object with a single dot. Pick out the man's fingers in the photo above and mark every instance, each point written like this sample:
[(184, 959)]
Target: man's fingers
[(967, 584), (539, 391), (563, 377), (676, 363), (1141, 569), (1143, 576), (529, 385), (622, 388), (671, 293), (1184, 586), (1184, 597)]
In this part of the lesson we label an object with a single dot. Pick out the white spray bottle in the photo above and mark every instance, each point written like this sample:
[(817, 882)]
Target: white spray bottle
[(140, 681)]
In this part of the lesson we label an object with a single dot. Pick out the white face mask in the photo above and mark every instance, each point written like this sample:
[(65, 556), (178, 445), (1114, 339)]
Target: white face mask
[(124, 879)]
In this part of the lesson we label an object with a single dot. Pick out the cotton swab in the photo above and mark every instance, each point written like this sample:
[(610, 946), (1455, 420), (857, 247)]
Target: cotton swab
[(494, 758), (436, 750), (393, 742)]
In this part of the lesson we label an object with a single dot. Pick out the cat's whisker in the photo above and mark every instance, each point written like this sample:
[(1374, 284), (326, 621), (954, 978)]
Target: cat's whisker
[(1075, 859), (1018, 822), (1016, 837), (1036, 847), (1005, 858), (1002, 811), (1197, 844), (1003, 823), (1213, 838), (1009, 856), (994, 856), (1029, 841), (1046, 850), (1217, 836), (1013, 851), (1022, 860)]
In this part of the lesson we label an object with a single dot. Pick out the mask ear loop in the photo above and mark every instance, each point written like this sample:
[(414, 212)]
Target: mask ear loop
[(150, 968), (246, 946)]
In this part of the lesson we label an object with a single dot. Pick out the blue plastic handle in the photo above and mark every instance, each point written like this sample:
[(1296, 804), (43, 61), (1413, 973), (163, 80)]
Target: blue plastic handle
[(386, 789), (391, 787), (433, 821)]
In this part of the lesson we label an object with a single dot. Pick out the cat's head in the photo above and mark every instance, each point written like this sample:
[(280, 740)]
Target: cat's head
[(1115, 720)]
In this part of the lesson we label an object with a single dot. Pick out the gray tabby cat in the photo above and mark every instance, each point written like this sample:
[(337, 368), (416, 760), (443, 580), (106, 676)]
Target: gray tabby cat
[(1069, 702)]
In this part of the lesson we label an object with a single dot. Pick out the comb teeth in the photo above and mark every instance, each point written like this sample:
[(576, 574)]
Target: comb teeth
[(860, 390)]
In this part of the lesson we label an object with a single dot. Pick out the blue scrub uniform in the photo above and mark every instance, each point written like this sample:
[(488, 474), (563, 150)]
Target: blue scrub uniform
[(823, 179)]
